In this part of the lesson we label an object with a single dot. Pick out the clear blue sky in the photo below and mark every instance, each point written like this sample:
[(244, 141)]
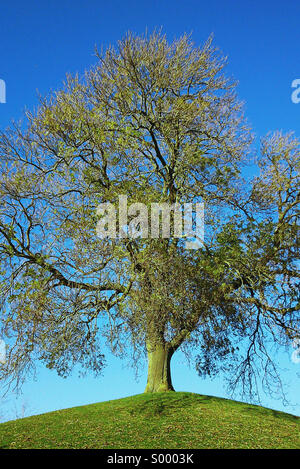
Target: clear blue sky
[(42, 41)]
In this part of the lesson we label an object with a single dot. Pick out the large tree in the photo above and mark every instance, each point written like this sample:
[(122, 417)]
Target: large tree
[(159, 123)]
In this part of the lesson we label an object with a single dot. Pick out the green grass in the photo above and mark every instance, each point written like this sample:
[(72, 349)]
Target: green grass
[(163, 420)]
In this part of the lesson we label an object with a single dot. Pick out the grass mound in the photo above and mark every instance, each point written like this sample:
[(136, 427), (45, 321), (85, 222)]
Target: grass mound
[(163, 420)]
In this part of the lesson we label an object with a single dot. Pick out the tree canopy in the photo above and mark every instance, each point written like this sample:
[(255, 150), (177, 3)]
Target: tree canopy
[(161, 123)]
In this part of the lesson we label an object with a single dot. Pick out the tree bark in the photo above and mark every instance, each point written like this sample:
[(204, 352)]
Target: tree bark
[(159, 372)]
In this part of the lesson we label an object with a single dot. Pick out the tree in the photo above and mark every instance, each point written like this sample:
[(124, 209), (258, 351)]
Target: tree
[(159, 123)]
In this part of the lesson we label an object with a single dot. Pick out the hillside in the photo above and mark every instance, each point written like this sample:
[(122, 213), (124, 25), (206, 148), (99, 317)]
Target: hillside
[(164, 420)]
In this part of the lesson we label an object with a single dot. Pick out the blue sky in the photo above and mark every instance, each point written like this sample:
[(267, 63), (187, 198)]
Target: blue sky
[(42, 41)]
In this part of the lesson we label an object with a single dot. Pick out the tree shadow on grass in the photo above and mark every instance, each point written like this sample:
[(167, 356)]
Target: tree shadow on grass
[(262, 412), (164, 404)]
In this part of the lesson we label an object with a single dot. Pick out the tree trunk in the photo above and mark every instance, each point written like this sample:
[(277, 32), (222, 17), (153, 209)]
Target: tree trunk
[(159, 374)]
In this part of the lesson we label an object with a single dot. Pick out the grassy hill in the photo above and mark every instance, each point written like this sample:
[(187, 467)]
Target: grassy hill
[(164, 420)]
